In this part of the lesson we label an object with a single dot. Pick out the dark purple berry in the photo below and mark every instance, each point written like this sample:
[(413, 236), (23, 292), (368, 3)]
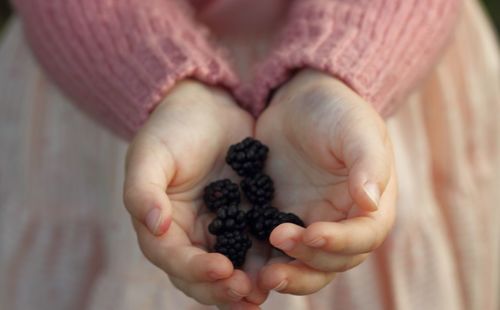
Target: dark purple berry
[(247, 157), (290, 218), (262, 220), (234, 245), (228, 218), (221, 193), (259, 188)]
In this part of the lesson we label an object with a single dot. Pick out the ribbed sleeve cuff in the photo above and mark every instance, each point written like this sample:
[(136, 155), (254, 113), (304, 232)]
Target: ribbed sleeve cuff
[(380, 48), (118, 58)]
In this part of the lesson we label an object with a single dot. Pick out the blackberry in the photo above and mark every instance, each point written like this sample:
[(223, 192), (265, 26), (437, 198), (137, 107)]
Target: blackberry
[(229, 218), (221, 193), (234, 245), (259, 189), (262, 220), (247, 157), (290, 218)]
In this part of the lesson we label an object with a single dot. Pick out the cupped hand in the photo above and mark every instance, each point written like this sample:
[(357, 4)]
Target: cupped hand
[(173, 157), (332, 163)]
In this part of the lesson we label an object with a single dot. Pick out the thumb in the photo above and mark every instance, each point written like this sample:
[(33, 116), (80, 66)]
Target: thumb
[(368, 156), (149, 169)]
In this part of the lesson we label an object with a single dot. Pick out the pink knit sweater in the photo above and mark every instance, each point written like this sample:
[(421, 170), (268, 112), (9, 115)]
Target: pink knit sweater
[(118, 58)]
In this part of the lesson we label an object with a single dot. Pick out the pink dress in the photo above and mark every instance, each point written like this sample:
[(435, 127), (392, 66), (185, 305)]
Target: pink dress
[(66, 241)]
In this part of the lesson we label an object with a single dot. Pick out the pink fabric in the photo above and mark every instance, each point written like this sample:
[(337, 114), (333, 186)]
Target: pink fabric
[(381, 48), (118, 58)]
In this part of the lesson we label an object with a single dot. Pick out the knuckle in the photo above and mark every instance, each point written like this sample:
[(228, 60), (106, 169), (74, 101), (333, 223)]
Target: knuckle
[(328, 277), (345, 266), (147, 253), (136, 197), (202, 300), (219, 295), (191, 291), (376, 237), (340, 243), (131, 195), (191, 294), (352, 262), (307, 255)]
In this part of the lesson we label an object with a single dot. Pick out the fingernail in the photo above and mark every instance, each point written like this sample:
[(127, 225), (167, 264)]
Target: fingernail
[(234, 294), (287, 245), (281, 286), (373, 192), (152, 219), (316, 243)]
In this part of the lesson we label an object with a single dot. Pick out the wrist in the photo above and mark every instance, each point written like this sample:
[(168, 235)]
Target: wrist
[(315, 85), (194, 95), (311, 79)]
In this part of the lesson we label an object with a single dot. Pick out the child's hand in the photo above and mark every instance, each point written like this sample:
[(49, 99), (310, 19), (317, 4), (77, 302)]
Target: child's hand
[(332, 164), (174, 156)]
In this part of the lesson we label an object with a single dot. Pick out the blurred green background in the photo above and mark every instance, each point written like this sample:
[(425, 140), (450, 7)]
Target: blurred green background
[(493, 6)]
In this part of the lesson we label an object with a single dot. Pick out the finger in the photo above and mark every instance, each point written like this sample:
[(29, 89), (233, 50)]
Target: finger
[(360, 234), (288, 238), (221, 292), (352, 236), (240, 305), (369, 159), (293, 278), (174, 254), (257, 296), (149, 170), (256, 258)]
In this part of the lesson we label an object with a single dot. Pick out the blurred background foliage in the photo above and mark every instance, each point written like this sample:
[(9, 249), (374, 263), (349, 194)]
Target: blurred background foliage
[(4, 12), (493, 6)]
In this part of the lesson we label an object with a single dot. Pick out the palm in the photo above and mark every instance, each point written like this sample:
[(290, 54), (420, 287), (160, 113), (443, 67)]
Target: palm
[(197, 165), (310, 178), (198, 145)]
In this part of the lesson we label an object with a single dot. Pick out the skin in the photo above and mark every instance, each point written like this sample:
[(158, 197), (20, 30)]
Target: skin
[(178, 151), (328, 146), (332, 164)]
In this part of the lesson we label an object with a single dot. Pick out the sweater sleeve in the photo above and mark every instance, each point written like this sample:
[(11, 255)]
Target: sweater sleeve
[(380, 48), (118, 58)]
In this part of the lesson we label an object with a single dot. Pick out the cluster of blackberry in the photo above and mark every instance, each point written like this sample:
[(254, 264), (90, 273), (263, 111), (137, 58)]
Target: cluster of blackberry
[(262, 219), (247, 158), (223, 198)]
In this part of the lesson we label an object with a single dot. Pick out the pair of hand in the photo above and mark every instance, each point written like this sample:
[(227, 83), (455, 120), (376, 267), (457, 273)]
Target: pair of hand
[(332, 164)]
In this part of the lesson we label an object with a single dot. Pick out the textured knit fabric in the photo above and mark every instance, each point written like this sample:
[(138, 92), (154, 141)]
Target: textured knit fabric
[(66, 241), (381, 48), (117, 59)]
